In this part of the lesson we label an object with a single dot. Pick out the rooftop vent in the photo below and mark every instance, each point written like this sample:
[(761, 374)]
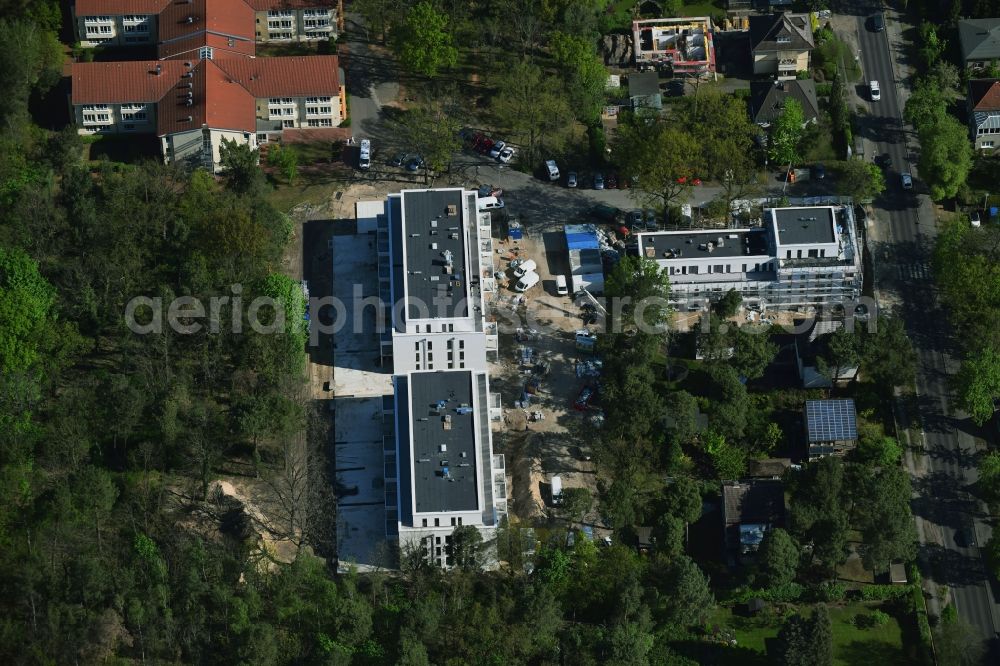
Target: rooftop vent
[(188, 119), (159, 69), (190, 102), (190, 19), (187, 64)]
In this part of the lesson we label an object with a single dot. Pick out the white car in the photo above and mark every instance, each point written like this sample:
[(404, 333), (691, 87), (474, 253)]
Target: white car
[(506, 154), (527, 282), (527, 267), (907, 181), (875, 91), (497, 149), (974, 219)]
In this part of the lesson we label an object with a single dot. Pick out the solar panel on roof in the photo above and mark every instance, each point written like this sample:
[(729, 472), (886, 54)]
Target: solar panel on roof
[(831, 420)]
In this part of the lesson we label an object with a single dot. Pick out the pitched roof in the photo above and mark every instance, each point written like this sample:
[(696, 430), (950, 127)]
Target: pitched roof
[(265, 5), (767, 99), (984, 94), (755, 502), (793, 30), (223, 93), (120, 82), (216, 101), (831, 420), (980, 38), (230, 20), (186, 47), (295, 76), (118, 7)]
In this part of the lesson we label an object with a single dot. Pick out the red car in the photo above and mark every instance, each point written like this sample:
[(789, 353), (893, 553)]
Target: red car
[(611, 182), (486, 145)]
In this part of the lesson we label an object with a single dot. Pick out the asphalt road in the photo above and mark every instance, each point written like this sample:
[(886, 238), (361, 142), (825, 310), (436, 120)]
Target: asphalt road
[(943, 506)]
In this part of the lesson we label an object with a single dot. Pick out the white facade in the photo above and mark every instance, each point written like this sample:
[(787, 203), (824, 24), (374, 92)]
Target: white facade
[(300, 25), (804, 256), (201, 146), (116, 30), (138, 117)]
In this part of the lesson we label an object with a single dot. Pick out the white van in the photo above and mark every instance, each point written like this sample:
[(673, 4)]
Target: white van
[(561, 287), (527, 267), (874, 91), (556, 489), (365, 158), (489, 203), (553, 170), (528, 281)]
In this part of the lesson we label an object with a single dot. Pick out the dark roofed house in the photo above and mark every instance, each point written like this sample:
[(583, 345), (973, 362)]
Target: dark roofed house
[(984, 113), (767, 99), (748, 510), (980, 40), (768, 468), (644, 90), (781, 44), (831, 427)]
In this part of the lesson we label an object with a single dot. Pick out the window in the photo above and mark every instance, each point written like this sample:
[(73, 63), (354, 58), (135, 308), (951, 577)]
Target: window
[(105, 29), (128, 126), (317, 23), (325, 122), (281, 13), (205, 53), (453, 521), (986, 144), (437, 522), (425, 522), (437, 540), (288, 123), (316, 12), (261, 138)]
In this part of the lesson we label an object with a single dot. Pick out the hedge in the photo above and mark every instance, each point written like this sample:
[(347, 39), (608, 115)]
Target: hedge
[(777, 594), (883, 592)]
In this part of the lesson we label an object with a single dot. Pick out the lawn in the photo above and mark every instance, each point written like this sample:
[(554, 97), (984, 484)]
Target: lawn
[(851, 645)]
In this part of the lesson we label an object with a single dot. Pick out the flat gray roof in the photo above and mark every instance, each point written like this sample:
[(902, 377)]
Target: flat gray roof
[(801, 226), (694, 244), (434, 221), (437, 490)]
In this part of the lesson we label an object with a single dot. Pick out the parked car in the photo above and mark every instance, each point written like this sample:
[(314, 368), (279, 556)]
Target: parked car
[(877, 22), (974, 219), (582, 402), (652, 221), (561, 288), (489, 191), (415, 162), (907, 180), (874, 91), (611, 182), (527, 267), (819, 171), (598, 181), (571, 179), (965, 536), (634, 218), (552, 169), (506, 154), (398, 160), (527, 282), (486, 145), (497, 149)]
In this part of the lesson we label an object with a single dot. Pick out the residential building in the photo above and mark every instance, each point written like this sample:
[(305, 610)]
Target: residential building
[(800, 257), (781, 43), (441, 472), (436, 275), (435, 278), (230, 28), (644, 90), (811, 345), (980, 42), (683, 45), (749, 510), (984, 113), (831, 427), (193, 105), (767, 99)]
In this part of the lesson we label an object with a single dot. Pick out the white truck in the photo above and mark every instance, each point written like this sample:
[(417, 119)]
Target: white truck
[(552, 169), (365, 156), (556, 490)]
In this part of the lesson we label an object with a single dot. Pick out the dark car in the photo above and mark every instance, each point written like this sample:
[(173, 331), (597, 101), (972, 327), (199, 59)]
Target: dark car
[(651, 220), (965, 536), (877, 22), (611, 182), (582, 402), (415, 163), (819, 171), (399, 159), (634, 219), (675, 88)]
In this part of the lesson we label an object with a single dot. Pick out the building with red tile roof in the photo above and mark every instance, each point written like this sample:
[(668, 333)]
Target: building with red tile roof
[(984, 113), (192, 105), (178, 28)]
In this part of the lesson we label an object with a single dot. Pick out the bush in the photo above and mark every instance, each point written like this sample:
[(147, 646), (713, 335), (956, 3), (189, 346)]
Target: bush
[(823, 89), (827, 592), (777, 594), (883, 592)]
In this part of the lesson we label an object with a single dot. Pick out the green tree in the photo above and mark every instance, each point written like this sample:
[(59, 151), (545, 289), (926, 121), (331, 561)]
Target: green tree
[(422, 42), (681, 410), (882, 514), (840, 351), (668, 535), (584, 72), (682, 498), (945, 157), (887, 354), (989, 476), (729, 304), (242, 168), (957, 643), (753, 351), (431, 131), (690, 598), (26, 301), (662, 156), (878, 449), (729, 462), (929, 45), (533, 108), (786, 134), (576, 503), (286, 160), (778, 557), (978, 383), (818, 510), (638, 289), (466, 548), (860, 180), (806, 641)]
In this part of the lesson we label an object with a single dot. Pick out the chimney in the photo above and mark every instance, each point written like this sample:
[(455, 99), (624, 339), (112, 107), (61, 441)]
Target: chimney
[(159, 69), (190, 102)]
